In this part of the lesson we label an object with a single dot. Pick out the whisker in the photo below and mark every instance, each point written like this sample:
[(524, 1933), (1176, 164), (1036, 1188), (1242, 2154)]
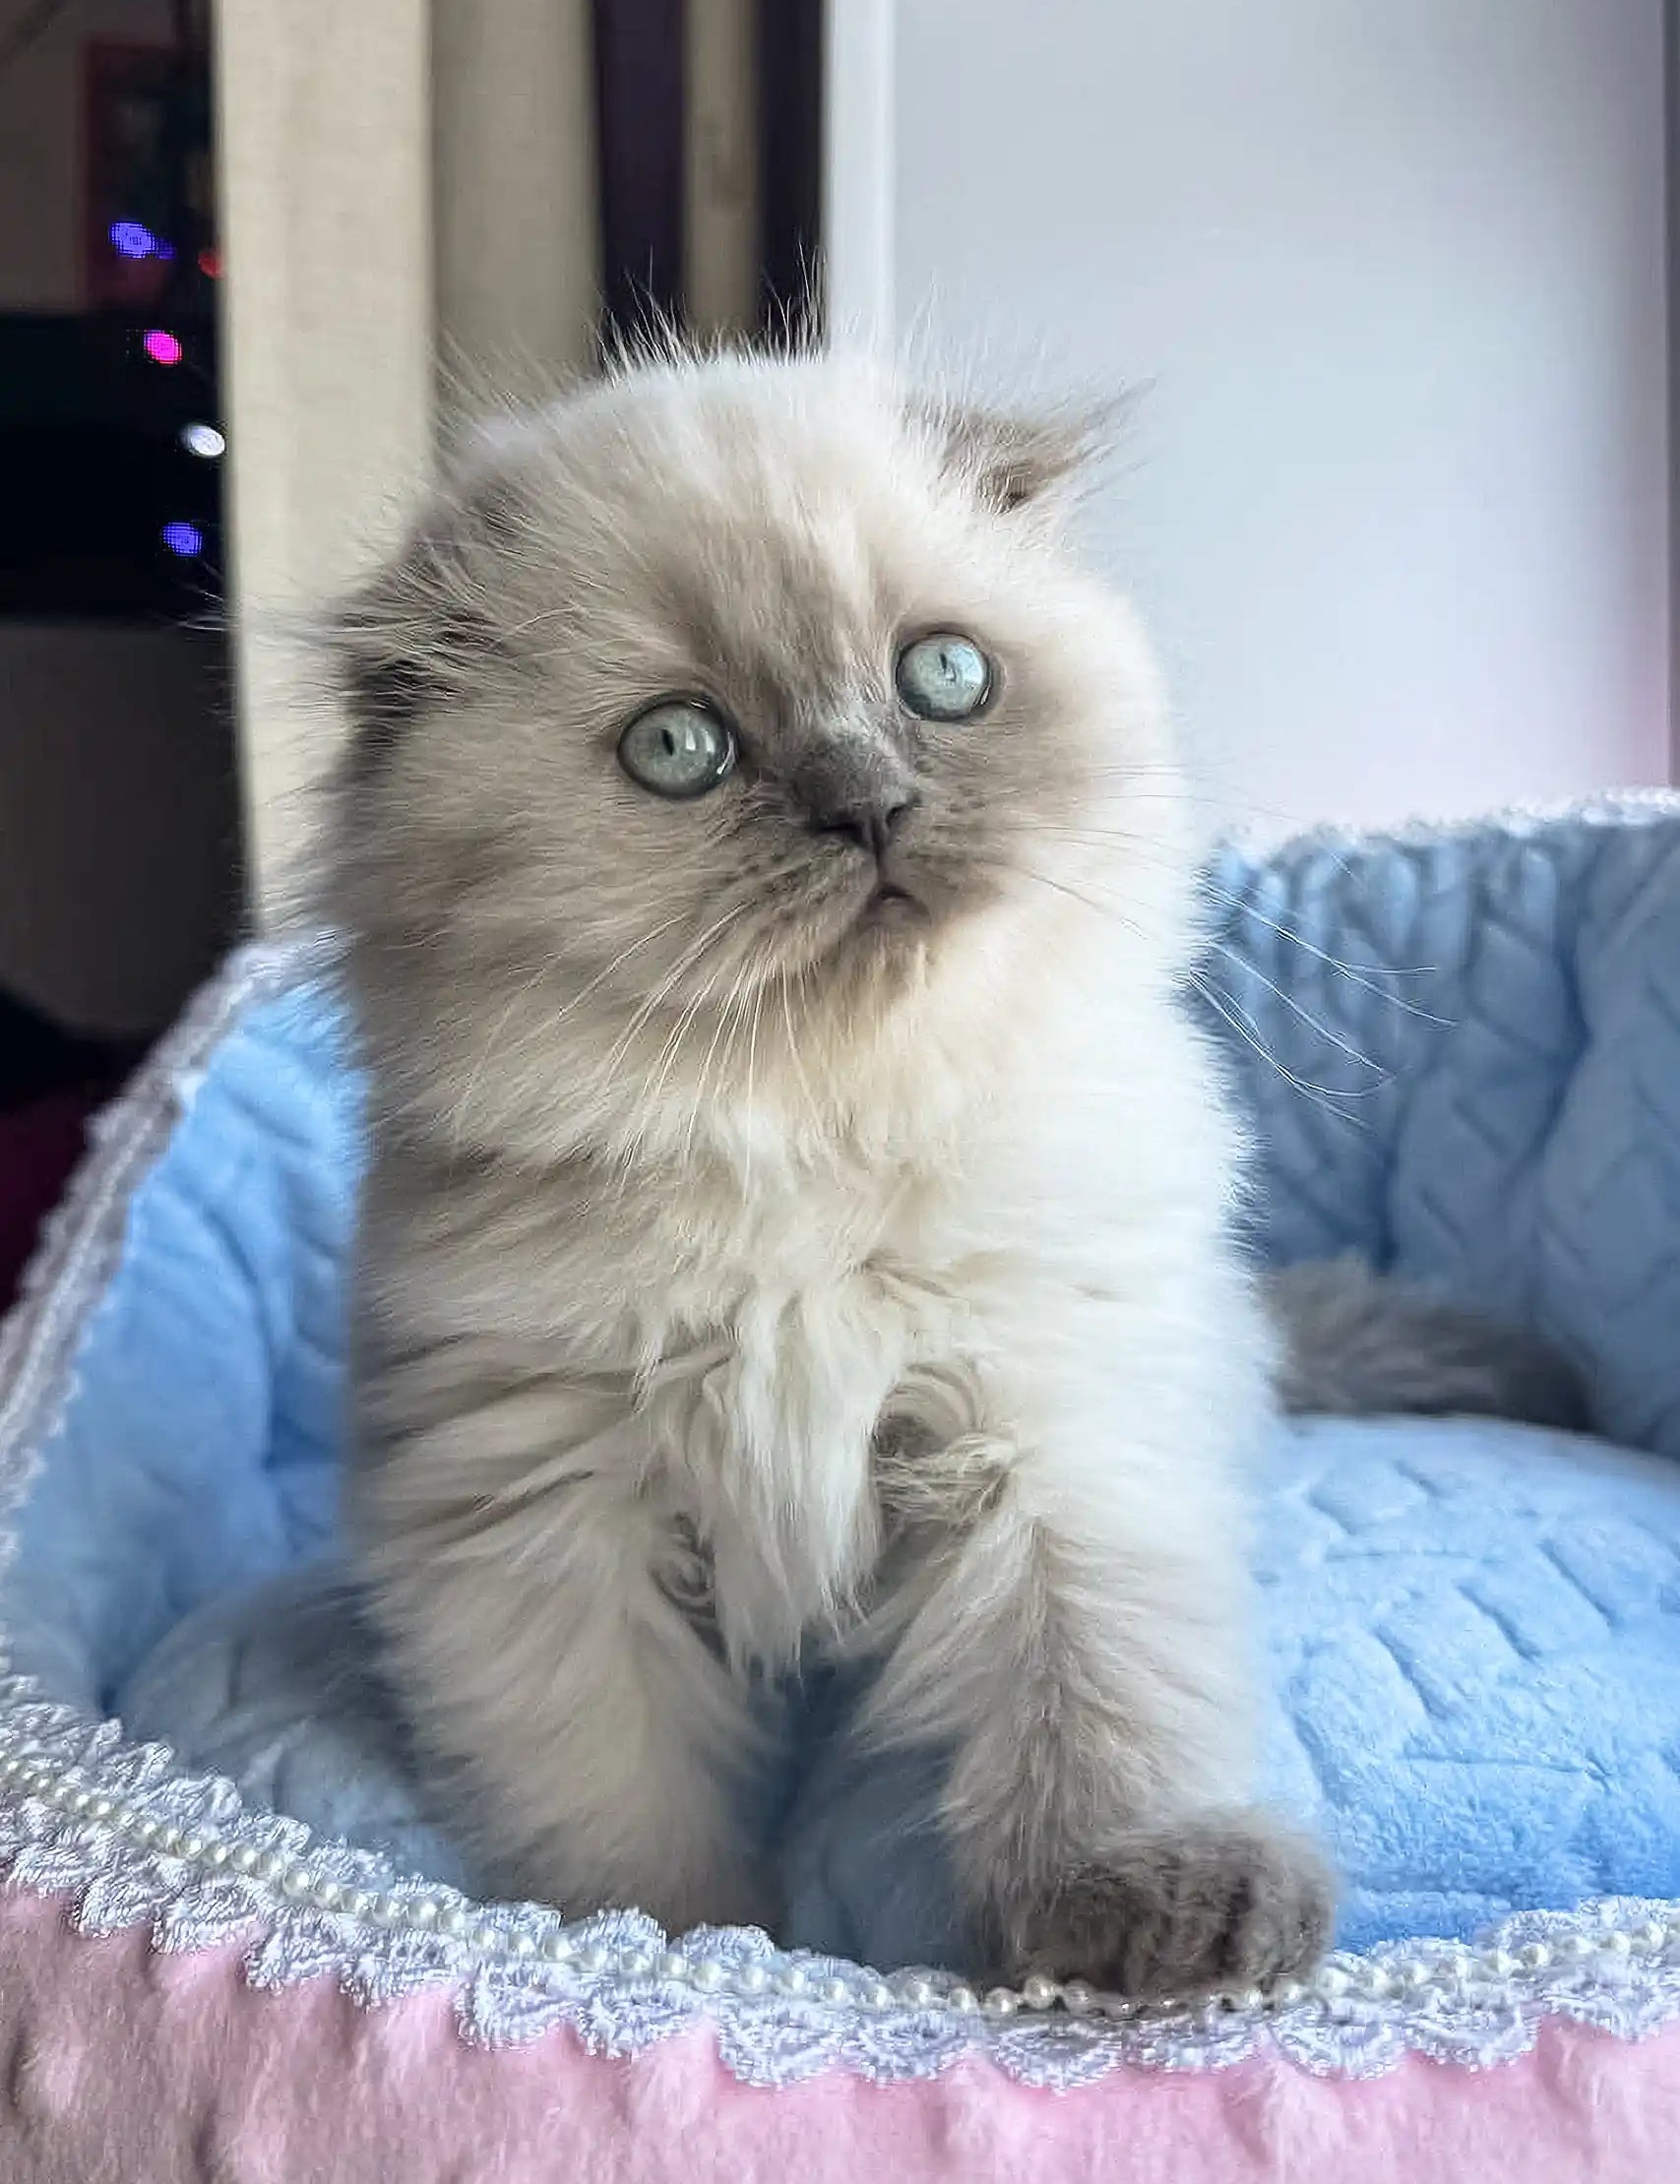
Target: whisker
[(617, 964), (548, 1023), (1324, 1031), (794, 1054), (664, 1062), (1086, 902), (1241, 1022), (725, 1016), (1363, 976), (752, 1063), (1323, 1096), (458, 1122), (1359, 974), (1231, 810), (684, 964)]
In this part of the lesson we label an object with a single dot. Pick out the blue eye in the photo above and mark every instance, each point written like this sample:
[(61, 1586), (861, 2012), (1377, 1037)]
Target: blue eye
[(944, 676), (678, 748)]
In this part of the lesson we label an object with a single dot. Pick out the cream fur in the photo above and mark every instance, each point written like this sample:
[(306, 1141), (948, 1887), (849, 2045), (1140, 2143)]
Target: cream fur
[(738, 1278)]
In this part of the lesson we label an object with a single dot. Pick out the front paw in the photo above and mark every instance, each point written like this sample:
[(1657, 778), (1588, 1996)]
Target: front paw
[(1173, 1913)]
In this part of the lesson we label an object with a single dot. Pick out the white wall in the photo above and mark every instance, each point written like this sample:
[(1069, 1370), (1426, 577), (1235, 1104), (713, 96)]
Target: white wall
[(1397, 501)]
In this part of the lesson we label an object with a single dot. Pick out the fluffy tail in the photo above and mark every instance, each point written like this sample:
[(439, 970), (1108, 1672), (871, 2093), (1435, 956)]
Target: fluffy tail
[(1360, 1344)]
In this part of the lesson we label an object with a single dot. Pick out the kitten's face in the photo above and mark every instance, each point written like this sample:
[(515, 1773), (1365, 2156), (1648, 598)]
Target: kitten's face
[(734, 678)]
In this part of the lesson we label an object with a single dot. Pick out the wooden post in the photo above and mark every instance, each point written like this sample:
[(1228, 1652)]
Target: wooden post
[(325, 186)]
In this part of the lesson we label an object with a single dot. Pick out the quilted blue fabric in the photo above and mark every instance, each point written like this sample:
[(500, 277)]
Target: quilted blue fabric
[(1463, 1053), (1470, 1071)]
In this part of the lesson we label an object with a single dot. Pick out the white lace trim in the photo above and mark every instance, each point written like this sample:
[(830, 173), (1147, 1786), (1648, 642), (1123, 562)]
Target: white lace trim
[(130, 1841), (1605, 807)]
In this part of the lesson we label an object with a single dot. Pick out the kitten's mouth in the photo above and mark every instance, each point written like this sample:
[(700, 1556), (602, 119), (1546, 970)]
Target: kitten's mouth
[(890, 904), (880, 926)]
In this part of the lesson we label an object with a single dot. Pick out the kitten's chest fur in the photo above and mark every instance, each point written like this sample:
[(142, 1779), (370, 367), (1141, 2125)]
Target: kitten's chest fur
[(759, 1326), (775, 1378), (758, 1320)]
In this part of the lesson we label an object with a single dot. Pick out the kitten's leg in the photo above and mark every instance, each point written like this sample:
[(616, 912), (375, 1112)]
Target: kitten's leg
[(542, 1626), (1072, 1633)]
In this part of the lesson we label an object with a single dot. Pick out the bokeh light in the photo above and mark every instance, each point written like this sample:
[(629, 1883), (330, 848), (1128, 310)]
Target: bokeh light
[(132, 238), (161, 346), (183, 539)]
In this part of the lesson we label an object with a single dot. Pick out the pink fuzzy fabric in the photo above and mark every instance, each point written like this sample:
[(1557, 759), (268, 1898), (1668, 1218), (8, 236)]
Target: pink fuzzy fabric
[(120, 2066)]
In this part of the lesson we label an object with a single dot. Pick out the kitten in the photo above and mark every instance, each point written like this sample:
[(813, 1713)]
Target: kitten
[(799, 1205)]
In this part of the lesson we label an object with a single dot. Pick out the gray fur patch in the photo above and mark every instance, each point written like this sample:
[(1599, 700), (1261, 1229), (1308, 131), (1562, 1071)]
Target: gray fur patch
[(1184, 1910), (1361, 1345)]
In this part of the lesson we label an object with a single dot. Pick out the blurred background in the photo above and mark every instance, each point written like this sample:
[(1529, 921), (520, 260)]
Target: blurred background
[(1393, 279)]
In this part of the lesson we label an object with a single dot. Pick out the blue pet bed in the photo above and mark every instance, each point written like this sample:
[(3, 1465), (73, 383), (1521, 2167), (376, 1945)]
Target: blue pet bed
[(1462, 1054)]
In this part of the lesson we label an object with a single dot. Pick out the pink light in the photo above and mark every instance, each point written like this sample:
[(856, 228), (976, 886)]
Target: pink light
[(162, 346)]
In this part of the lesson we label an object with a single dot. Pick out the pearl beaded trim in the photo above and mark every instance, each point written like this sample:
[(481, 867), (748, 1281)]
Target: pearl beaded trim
[(1433, 1970), (129, 1840)]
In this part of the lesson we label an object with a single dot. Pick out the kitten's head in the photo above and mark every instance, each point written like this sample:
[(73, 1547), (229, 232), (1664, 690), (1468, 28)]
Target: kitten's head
[(728, 693)]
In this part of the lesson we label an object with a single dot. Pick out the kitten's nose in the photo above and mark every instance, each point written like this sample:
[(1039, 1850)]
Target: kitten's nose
[(869, 820)]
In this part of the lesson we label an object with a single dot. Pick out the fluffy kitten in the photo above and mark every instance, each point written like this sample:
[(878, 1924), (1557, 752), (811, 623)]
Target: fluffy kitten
[(798, 1213)]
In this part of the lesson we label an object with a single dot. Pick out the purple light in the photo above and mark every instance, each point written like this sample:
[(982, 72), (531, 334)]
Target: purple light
[(183, 539), (162, 346), (167, 252), (132, 238)]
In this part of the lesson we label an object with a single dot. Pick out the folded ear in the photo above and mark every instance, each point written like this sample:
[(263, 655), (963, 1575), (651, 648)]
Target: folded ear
[(411, 633), (1013, 460), (379, 645)]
